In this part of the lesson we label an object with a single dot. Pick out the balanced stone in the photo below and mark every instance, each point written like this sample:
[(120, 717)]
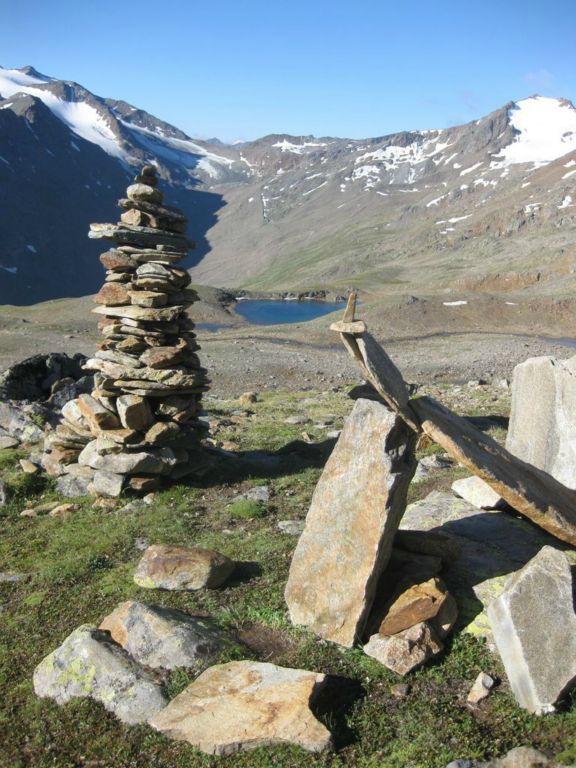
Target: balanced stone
[(405, 650), (355, 512)]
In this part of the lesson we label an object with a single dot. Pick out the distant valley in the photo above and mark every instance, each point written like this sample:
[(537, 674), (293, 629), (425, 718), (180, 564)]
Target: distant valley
[(489, 206)]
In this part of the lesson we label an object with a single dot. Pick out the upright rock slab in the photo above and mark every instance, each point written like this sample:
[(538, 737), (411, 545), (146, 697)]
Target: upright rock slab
[(243, 705), (89, 664), (542, 427), (534, 626), (355, 512)]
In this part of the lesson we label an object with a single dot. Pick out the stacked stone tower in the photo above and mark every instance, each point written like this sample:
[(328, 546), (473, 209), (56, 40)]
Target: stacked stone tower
[(140, 421)]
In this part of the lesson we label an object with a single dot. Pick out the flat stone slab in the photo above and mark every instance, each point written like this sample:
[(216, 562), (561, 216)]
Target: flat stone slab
[(89, 664), (164, 637), (482, 549), (355, 511), (534, 626), (529, 490), (246, 704)]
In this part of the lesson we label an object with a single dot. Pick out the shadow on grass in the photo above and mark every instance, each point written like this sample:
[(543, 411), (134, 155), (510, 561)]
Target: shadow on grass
[(332, 702)]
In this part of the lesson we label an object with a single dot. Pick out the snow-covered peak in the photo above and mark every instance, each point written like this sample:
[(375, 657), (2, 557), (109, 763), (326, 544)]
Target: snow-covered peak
[(15, 80), (546, 130)]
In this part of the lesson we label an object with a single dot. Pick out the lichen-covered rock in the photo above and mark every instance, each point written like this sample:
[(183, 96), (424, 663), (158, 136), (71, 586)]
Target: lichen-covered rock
[(164, 637), (89, 664), (534, 626), (246, 704), (187, 568)]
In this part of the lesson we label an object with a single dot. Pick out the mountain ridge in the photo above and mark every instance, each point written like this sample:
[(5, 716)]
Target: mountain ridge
[(284, 212)]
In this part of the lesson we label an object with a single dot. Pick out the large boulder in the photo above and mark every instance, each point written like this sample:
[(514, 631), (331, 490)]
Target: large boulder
[(89, 664), (355, 512), (542, 428), (534, 627), (164, 637), (246, 704)]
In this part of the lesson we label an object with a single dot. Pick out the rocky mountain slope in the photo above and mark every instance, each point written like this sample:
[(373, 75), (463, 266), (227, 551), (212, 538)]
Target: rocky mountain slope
[(489, 205)]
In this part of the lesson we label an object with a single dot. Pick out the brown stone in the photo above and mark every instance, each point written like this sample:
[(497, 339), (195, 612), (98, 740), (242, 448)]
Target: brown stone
[(148, 298), (132, 345), (63, 510), (116, 260), (162, 432), (355, 512), (147, 314), (134, 412), (29, 467), (354, 327), (162, 357), (112, 295), (144, 484), (418, 603), (529, 490), (97, 416), (243, 705), (182, 568)]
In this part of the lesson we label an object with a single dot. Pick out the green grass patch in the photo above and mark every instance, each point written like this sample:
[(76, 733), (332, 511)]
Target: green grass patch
[(81, 567)]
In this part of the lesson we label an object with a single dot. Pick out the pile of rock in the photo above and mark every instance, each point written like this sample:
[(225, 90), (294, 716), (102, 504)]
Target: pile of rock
[(140, 420)]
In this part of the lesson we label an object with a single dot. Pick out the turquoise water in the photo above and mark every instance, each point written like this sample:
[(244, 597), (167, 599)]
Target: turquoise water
[(262, 312)]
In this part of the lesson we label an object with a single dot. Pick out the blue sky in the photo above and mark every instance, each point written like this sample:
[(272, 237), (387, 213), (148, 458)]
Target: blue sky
[(243, 69)]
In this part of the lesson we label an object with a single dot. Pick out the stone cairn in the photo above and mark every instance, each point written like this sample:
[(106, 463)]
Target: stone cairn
[(140, 421)]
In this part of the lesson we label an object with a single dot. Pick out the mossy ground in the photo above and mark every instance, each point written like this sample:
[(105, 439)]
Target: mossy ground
[(80, 567)]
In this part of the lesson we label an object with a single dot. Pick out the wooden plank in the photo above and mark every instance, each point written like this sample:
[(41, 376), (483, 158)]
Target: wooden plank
[(530, 491)]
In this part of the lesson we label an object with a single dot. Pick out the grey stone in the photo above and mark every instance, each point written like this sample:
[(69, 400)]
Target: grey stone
[(75, 484), (477, 492), (7, 441), (15, 420), (534, 627), (291, 527), (483, 548), (156, 462), (107, 483), (405, 650), (89, 664), (3, 493), (297, 419), (542, 428), (13, 578), (182, 568), (422, 473), (165, 638), (355, 512), (260, 493)]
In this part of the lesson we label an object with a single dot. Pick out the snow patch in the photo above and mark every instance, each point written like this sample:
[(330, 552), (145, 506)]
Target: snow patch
[(297, 149), (566, 203), (546, 131), (31, 249), (12, 270), (454, 303)]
